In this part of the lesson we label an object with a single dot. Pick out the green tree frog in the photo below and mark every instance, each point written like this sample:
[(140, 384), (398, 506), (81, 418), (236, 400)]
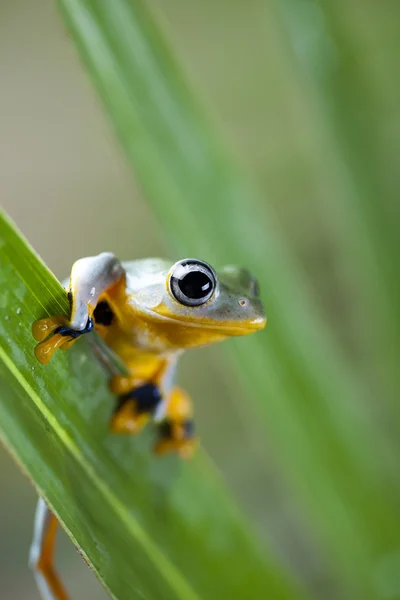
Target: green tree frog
[(148, 312)]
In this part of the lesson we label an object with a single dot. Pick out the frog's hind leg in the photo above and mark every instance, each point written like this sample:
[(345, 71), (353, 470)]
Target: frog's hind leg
[(41, 556), (139, 399), (176, 431), (169, 407)]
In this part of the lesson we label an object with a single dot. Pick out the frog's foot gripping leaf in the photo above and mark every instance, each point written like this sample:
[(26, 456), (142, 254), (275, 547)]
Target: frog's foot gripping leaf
[(53, 333), (176, 437), (135, 409)]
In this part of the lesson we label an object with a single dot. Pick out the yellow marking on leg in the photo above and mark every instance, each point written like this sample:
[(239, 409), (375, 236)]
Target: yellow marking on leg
[(45, 563), (128, 420)]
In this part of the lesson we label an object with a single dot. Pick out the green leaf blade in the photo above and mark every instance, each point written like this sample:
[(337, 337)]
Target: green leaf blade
[(147, 526), (295, 376)]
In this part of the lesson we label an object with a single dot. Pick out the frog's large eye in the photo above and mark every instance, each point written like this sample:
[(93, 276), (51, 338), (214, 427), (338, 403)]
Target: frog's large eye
[(192, 282)]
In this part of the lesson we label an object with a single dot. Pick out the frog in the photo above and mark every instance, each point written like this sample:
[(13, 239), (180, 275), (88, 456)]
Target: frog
[(148, 312)]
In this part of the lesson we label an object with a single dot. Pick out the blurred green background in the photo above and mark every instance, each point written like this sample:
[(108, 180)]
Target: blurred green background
[(308, 96)]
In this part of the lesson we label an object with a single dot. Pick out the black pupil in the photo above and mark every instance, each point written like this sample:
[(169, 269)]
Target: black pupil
[(195, 285)]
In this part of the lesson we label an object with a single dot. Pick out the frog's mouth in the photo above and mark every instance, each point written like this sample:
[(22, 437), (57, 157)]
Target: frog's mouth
[(222, 327)]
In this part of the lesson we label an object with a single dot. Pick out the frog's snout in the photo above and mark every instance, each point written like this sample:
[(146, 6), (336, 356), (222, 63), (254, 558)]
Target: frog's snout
[(253, 314), (258, 322)]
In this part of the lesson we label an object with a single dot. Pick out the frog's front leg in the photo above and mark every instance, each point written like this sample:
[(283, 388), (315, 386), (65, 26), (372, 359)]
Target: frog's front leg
[(90, 277)]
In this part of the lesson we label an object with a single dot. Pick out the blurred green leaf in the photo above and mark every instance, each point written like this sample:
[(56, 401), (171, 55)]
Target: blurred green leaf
[(154, 528), (299, 386), (349, 64)]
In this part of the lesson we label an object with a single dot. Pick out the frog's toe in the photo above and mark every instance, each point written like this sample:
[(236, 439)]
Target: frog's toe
[(176, 437), (184, 448), (42, 328), (58, 335), (45, 350)]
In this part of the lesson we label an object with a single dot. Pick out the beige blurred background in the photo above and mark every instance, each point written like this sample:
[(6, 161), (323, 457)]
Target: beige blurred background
[(65, 182)]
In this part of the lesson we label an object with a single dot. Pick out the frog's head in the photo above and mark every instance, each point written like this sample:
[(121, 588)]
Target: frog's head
[(196, 305)]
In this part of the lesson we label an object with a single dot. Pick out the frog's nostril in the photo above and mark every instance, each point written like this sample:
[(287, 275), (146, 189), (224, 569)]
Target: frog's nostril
[(243, 302)]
